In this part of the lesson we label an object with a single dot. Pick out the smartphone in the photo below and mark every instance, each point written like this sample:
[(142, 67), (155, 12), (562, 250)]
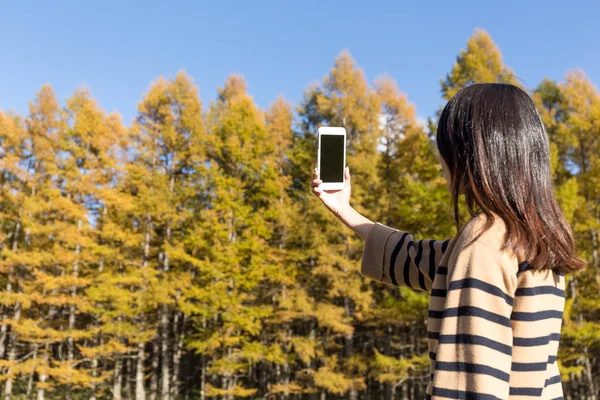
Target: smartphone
[(332, 157)]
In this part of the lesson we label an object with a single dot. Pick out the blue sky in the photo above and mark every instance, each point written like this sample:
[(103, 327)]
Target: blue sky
[(117, 48)]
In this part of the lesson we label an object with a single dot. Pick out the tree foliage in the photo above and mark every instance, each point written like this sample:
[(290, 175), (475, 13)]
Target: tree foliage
[(183, 256)]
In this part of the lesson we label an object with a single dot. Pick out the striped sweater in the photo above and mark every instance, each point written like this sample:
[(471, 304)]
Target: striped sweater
[(493, 323)]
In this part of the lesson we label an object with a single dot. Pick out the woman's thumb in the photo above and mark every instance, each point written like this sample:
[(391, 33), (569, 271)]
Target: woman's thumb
[(347, 174)]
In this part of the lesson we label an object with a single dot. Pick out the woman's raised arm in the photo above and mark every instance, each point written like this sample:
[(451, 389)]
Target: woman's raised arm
[(390, 255)]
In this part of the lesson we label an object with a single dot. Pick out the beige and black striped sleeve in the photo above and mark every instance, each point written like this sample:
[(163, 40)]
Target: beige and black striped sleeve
[(393, 257), (474, 352)]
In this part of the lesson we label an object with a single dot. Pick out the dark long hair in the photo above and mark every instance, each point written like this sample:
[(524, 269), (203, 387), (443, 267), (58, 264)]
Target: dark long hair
[(494, 142)]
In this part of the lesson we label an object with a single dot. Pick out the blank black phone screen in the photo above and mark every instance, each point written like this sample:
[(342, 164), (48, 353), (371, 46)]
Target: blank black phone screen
[(332, 158)]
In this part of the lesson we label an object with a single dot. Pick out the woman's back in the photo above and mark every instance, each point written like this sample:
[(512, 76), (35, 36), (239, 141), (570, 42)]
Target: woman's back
[(498, 320), (536, 322), (493, 325)]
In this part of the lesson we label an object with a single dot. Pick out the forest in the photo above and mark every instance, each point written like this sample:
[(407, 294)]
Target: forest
[(183, 256)]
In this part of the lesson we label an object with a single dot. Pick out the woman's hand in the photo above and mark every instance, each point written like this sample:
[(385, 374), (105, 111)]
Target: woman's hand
[(335, 200), (338, 202)]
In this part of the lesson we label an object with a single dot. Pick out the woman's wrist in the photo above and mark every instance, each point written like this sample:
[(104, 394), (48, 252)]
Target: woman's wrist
[(354, 220)]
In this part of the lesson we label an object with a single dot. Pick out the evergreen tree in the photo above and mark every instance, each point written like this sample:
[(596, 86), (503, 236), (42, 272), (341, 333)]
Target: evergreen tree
[(235, 239), (160, 181), (33, 256), (580, 195), (480, 62)]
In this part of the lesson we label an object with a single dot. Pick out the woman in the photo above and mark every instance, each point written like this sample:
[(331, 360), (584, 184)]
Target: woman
[(497, 289)]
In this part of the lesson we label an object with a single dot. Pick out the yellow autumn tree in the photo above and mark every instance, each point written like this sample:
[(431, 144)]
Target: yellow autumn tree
[(480, 62)]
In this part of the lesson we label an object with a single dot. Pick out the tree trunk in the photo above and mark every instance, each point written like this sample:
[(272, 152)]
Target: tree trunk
[(164, 322), (389, 387), (94, 376), (179, 333), (140, 393), (30, 380), (202, 377), (590, 378), (3, 335), (595, 243), (129, 377), (118, 378), (42, 375), (70, 343), (98, 338), (164, 349), (155, 363), (12, 355), (348, 345)]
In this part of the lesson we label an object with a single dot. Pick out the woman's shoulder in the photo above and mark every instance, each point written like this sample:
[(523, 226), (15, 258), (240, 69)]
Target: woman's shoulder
[(477, 254), (484, 231), (488, 239)]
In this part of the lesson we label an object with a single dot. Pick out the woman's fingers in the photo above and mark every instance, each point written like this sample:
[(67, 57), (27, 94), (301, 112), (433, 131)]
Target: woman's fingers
[(317, 191), (315, 183)]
